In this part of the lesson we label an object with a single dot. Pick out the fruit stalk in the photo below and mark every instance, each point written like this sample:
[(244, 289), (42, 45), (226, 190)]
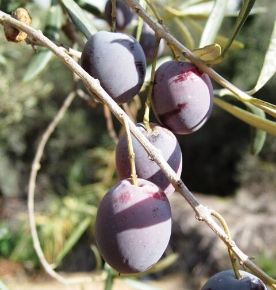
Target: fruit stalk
[(131, 154), (148, 100), (113, 15)]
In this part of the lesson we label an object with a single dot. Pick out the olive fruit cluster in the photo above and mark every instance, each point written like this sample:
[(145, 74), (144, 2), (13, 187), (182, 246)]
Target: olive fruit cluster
[(133, 223), (226, 280)]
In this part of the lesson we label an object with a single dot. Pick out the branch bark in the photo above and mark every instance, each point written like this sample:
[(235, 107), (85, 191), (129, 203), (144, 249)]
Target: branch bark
[(93, 86)]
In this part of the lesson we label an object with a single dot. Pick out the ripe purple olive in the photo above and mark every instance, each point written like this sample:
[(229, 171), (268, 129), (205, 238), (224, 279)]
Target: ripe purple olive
[(226, 280), (123, 14), (117, 61), (148, 40), (182, 97), (167, 144), (133, 226)]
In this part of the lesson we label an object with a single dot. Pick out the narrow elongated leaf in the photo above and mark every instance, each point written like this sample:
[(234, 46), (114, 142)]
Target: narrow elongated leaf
[(90, 7), (249, 118), (269, 65), (38, 62), (43, 55), (74, 237), (185, 33), (79, 18), (213, 23), (258, 135), (267, 107), (244, 12), (210, 54)]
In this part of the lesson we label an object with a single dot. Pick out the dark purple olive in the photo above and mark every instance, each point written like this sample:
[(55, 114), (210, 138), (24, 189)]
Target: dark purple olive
[(133, 226), (226, 280), (182, 97), (117, 61), (167, 144), (123, 14)]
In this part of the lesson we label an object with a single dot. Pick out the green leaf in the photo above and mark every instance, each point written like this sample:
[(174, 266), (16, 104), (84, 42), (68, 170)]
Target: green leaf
[(79, 18), (73, 239), (37, 64), (269, 65), (258, 135), (249, 118), (185, 33), (53, 22), (43, 55), (267, 107), (90, 7), (244, 12), (210, 54), (3, 60), (213, 23)]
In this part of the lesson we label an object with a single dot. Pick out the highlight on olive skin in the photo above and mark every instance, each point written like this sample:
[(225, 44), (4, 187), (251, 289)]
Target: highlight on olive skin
[(167, 145), (133, 226), (117, 61), (182, 97), (123, 14), (226, 280)]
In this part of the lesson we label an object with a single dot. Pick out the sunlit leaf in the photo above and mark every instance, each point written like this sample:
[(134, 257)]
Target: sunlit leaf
[(222, 41), (249, 118), (246, 7), (258, 135), (210, 54), (79, 18), (247, 99), (267, 107), (213, 23), (2, 60), (185, 33), (269, 65)]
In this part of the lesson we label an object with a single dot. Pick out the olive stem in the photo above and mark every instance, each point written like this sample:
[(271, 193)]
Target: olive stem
[(146, 118), (131, 154), (232, 257), (113, 15)]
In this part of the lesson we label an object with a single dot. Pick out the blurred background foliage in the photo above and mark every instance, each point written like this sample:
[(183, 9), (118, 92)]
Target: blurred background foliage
[(78, 163)]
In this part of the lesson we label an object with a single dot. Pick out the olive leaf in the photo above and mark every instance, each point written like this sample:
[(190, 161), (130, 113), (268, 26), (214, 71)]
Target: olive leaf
[(249, 118), (243, 14), (269, 65), (43, 55), (79, 18), (213, 23)]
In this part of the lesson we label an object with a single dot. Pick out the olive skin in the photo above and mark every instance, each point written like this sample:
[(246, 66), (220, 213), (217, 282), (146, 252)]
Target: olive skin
[(133, 226), (226, 280), (123, 14), (182, 98), (165, 142), (117, 61)]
